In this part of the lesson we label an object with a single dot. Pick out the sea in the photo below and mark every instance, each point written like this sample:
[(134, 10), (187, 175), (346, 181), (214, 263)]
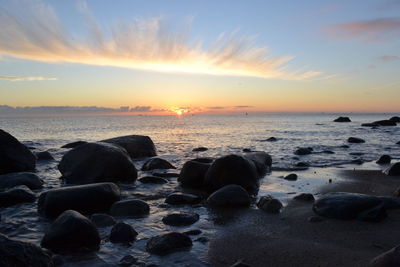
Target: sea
[(175, 137)]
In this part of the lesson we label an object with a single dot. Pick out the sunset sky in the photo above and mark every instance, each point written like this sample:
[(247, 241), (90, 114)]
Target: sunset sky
[(201, 56)]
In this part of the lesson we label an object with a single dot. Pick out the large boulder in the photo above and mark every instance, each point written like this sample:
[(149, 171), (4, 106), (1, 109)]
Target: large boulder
[(232, 169), (347, 206), (342, 119), (389, 258), (15, 253), (167, 243), (14, 156), (137, 145), (71, 232), (74, 144), (193, 173), (86, 199), (97, 162), (395, 119), (261, 160), (31, 180), (130, 208), (393, 170), (303, 151), (156, 163), (229, 196), (385, 123), (18, 195)]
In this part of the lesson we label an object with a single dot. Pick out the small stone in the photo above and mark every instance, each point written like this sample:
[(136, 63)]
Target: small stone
[(181, 219), (102, 220), (355, 140), (269, 204), (182, 199), (130, 207), (167, 243), (342, 119), (303, 151), (291, 177), (157, 163), (193, 232), (122, 233), (384, 159), (305, 197), (200, 149), (302, 164)]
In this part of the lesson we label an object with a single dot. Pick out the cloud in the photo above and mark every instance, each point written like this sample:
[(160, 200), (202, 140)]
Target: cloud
[(243, 106), (140, 109), (36, 33), (389, 58), (5, 109), (19, 79), (376, 30), (216, 107)]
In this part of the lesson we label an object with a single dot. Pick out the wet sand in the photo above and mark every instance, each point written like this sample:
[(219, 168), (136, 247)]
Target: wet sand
[(289, 239)]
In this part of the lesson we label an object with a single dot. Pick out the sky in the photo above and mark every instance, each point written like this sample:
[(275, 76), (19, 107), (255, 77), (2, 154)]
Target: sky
[(179, 57)]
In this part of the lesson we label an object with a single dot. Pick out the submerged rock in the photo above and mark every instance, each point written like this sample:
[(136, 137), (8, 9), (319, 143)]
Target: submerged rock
[(181, 219), (44, 155), (291, 177), (97, 162), (385, 123), (15, 253), (74, 144), (229, 196), (102, 220), (395, 119), (303, 151), (342, 119), (389, 258), (193, 173), (168, 243), (156, 163), (269, 204), (130, 207), (200, 149), (371, 124), (355, 140), (138, 146), (182, 199), (232, 169), (86, 199), (152, 180), (17, 195), (71, 232), (384, 159), (271, 139), (261, 160), (393, 170), (122, 233), (14, 156), (31, 180)]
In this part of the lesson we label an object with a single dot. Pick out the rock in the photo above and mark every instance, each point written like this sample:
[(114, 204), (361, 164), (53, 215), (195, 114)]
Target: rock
[(240, 263), (261, 160), (389, 258), (342, 119), (74, 144), (102, 220), (166, 174), (17, 195), (345, 146), (71, 232), (86, 199), (152, 180), (398, 143), (128, 260), (303, 151), (97, 162), (291, 177), (200, 149), (395, 119), (384, 159), (385, 123), (355, 140), (246, 150), (372, 124), (167, 243), (22, 254), (181, 219), (302, 164), (269, 204), (14, 156), (193, 173), (44, 155), (182, 199), (232, 169), (347, 206), (31, 180), (138, 146), (122, 233), (156, 163), (393, 170), (271, 139), (193, 232), (315, 219), (229, 196), (130, 207), (304, 197)]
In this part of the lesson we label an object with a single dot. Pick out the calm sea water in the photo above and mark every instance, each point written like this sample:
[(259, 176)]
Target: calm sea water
[(175, 137)]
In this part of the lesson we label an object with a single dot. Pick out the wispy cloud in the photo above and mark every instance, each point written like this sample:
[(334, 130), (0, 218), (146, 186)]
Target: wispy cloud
[(22, 79), (35, 32), (5, 109), (376, 30), (388, 58)]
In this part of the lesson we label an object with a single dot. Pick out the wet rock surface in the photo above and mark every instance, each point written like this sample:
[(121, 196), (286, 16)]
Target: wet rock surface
[(269, 204), (157, 163), (31, 180), (102, 220), (193, 173), (393, 170), (137, 146), (122, 233), (152, 180), (355, 140), (181, 219), (130, 207), (229, 196), (17, 195), (167, 243), (182, 199)]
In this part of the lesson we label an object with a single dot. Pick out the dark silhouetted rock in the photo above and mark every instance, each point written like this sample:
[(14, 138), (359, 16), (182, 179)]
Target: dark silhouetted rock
[(122, 233), (166, 174), (302, 164), (389, 258), (138, 146), (291, 177), (14, 156), (393, 170), (102, 220), (355, 140), (271, 139), (74, 144), (371, 124), (97, 162), (229, 196), (232, 169), (86, 199), (15, 253), (44, 155), (398, 143), (246, 150), (269, 204), (182, 199), (193, 232), (342, 119), (156, 163), (17, 195), (181, 219), (71, 232), (395, 119), (152, 180), (384, 159), (347, 206), (130, 208), (303, 151), (168, 243), (200, 149), (193, 173), (305, 197), (385, 123), (31, 180), (261, 160)]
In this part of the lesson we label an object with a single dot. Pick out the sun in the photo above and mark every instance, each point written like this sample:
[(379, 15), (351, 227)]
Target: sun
[(179, 112)]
